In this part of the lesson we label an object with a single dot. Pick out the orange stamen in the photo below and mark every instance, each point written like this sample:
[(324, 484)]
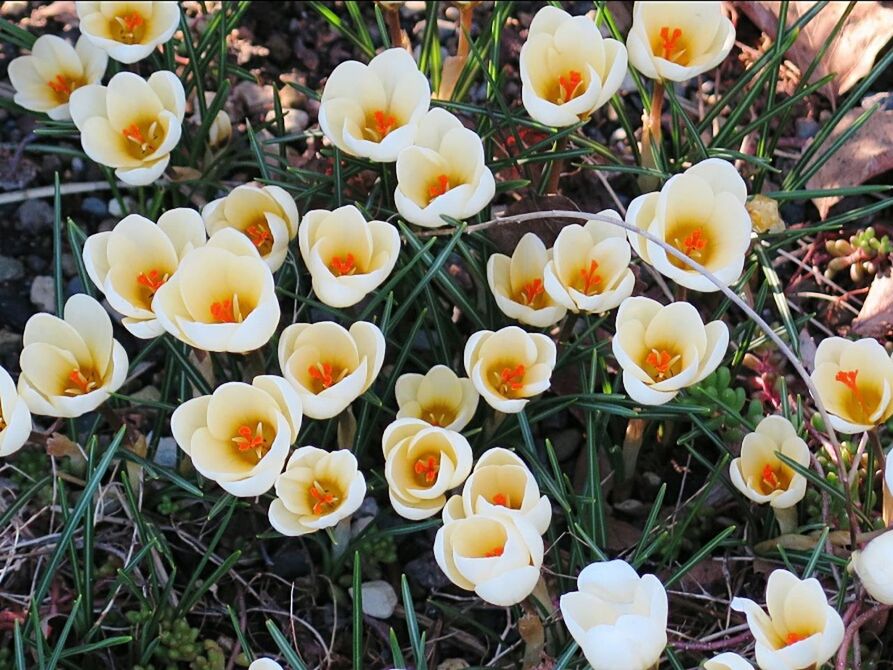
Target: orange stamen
[(428, 467), (132, 21), (694, 243), (669, 41), (259, 234), (512, 378), (61, 85), (344, 265), (440, 187), (322, 372), (770, 479), (569, 85), (384, 123), (494, 552), (848, 379), (531, 291), (81, 383), (132, 132), (661, 361), (793, 638), (322, 497), (591, 278), (223, 311), (247, 440), (501, 499), (151, 280)]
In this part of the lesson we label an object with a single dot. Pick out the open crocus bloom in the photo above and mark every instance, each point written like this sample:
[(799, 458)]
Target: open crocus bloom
[(568, 70), (128, 31), (15, 419), (493, 556), (439, 397), (728, 661), (221, 298), (70, 365), (239, 435), (618, 618), (133, 260), (264, 664), (132, 125), (701, 213), (801, 630), (589, 271), (45, 80), (518, 286), (444, 172), (266, 215), (874, 567), (348, 257), (422, 463), (317, 490), (664, 349), (330, 366), (854, 381), (373, 110), (678, 40), (509, 366)]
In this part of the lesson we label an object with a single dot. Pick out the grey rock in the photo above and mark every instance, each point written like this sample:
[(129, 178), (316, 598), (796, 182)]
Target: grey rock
[(379, 599), (43, 294), (425, 572), (166, 453), (11, 268), (35, 217), (806, 128), (94, 207)]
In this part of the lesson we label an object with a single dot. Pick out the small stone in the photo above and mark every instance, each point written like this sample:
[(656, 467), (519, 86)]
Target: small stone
[(425, 572), (148, 393), (35, 217), (114, 207), (94, 207), (631, 507), (806, 128), (379, 599), (10, 269), (43, 294), (652, 480), (166, 453)]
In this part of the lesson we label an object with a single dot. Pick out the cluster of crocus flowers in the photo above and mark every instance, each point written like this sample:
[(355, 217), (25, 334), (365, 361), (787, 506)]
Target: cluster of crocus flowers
[(133, 260), (347, 256), (128, 31), (439, 397), (15, 419), (874, 567), (239, 435)]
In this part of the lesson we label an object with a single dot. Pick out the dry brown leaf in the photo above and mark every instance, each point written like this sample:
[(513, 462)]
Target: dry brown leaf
[(59, 445), (876, 316)]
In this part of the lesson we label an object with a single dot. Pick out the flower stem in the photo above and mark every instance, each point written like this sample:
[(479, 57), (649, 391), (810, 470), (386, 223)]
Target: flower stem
[(651, 136), (556, 166), (395, 31), (787, 519)]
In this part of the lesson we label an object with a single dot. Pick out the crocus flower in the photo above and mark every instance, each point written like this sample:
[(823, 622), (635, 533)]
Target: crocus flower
[(239, 435), (701, 213), (317, 490), (128, 31), (875, 569), (678, 40), (801, 630), (15, 419), (45, 80), (264, 664), (70, 365), (373, 111), (133, 260), (131, 125), (728, 661), (348, 257), (568, 70), (219, 133), (266, 215), (439, 397), (330, 366), (509, 366), (664, 349), (618, 618), (444, 172)]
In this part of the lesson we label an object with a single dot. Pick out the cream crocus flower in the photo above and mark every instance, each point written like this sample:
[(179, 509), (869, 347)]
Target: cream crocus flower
[(239, 435), (664, 349), (728, 661), (264, 664), (220, 131), (589, 271), (440, 397), (518, 287), (45, 80), (131, 125), (422, 463), (444, 172), (875, 569), (317, 490), (128, 31), (568, 70), (266, 215), (221, 298), (330, 366), (801, 630), (348, 257), (678, 40), (618, 618), (854, 381), (15, 419), (373, 111), (701, 213), (495, 557), (70, 365), (509, 366), (131, 262)]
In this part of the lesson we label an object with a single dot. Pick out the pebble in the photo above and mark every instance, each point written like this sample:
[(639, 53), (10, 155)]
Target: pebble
[(114, 207), (166, 453), (35, 217), (43, 294), (10, 269), (94, 207), (806, 128), (379, 599), (425, 572)]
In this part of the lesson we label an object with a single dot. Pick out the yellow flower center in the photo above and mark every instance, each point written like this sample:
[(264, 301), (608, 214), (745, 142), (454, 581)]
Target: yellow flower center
[(81, 381), (63, 86), (426, 469), (670, 44), (252, 444), (691, 240), (794, 638), (508, 380), (590, 281), (151, 281), (343, 265), (438, 415), (532, 294), (773, 478), (129, 28), (861, 400), (325, 375), (662, 364), (260, 235), (143, 139), (438, 187), (570, 85), (494, 552), (379, 124), (324, 496), (3, 423), (502, 499)]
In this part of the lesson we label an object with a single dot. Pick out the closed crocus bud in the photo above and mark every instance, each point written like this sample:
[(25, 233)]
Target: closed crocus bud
[(239, 435), (444, 172), (517, 284), (509, 366), (873, 565), (70, 365), (440, 397), (493, 556), (801, 630), (373, 111), (854, 381), (15, 419), (422, 463), (701, 213), (618, 618), (128, 31), (568, 70), (664, 349), (678, 40), (348, 257), (589, 271), (317, 490), (133, 260), (45, 80), (220, 132), (728, 661), (330, 366), (266, 215), (221, 298), (264, 664), (131, 125)]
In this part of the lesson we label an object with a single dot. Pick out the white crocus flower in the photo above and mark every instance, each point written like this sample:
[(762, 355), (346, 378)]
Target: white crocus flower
[(264, 664), (128, 31), (874, 565), (439, 397), (15, 419)]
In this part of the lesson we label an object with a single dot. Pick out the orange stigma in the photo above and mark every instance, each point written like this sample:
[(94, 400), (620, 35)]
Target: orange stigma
[(133, 133), (441, 186), (793, 638), (501, 499), (494, 552), (429, 467), (694, 244), (511, 379), (259, 234), (848, 379), (770, 479), (591, 278), (670, 42), (322, 497), (384, 123), (152, 280), (62, 86), (323, 373), (132, 21), (531, 291), (80, 383), (343, 265), (569, 86), (248, 440), (662, 362), (223, 311)]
